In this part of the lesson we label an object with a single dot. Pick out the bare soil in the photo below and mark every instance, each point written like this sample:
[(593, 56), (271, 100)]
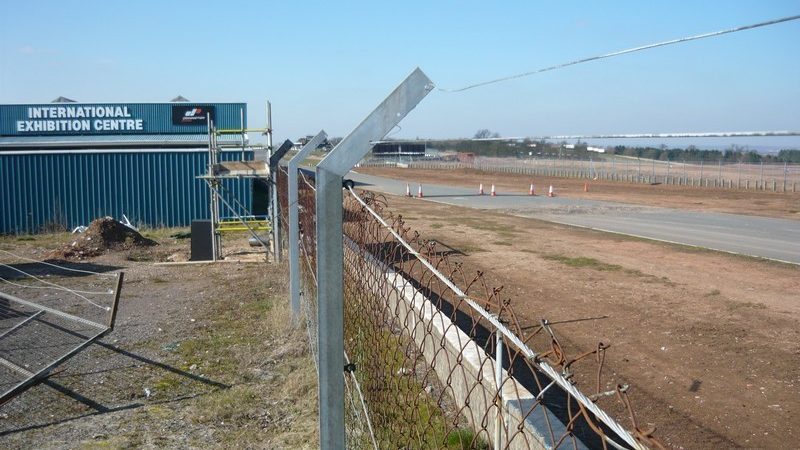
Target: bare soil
[(202, 356), (102, 235), (709, 342), (758, 203)]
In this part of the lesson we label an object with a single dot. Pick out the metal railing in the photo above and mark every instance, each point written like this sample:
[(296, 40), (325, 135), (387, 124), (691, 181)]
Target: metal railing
[(775, 177)]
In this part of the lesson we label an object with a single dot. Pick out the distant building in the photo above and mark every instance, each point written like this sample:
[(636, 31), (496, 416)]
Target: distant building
[(65, 163), (398, 148), (596, 149)]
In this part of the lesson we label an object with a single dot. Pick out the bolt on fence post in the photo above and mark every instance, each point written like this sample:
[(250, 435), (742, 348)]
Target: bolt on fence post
[(294, 223), (330, 254)]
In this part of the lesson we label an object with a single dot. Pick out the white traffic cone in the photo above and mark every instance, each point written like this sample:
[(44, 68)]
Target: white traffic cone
[(531, 191), (551, 193), (408, 190), (419, 191), (480, 189), (494, 194)]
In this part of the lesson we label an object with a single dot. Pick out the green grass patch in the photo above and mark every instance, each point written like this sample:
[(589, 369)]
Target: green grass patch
[(583, 262), (502, 229), (167, 384), (231, 406), (462, 438), (436, 226), (404, 415), (506, 243)]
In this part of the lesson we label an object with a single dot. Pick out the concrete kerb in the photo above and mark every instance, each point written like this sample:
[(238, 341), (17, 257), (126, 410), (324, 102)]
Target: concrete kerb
[(470, 381)]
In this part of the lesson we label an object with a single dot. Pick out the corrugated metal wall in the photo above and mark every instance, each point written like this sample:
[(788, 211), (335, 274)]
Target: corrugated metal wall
[(70, 189)]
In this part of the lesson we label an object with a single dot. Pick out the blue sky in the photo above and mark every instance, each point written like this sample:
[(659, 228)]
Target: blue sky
[(327, 64)]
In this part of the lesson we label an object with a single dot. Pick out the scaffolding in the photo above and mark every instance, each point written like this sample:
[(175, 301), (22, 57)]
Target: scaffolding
[(240, 218)]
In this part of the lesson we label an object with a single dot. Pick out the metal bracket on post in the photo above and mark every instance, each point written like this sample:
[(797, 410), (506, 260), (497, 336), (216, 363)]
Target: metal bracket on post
[(294, 224), (330, 254)]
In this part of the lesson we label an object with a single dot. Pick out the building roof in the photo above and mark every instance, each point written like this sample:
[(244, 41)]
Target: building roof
[(62, 99), (138, 141)]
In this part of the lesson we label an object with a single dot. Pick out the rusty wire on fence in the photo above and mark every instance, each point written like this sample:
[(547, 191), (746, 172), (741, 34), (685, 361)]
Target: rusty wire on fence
[(423, 337)]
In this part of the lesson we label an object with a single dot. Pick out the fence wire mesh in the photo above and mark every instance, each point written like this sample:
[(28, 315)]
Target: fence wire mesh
[(436, 357), (772, 177), (48, 311)]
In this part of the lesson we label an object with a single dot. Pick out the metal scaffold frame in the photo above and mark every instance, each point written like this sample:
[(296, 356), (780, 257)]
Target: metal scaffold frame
[(218, 170)]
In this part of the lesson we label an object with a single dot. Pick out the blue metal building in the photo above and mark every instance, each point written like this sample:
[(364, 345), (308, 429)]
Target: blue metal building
[(65, 164)]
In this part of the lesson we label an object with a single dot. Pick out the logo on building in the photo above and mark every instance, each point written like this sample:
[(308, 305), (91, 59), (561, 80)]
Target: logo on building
[(191, 115)]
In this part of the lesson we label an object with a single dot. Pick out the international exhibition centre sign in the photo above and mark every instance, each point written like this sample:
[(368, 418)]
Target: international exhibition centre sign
[(103, 119)]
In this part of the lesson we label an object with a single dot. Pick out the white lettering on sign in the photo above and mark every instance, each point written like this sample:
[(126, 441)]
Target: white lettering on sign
[(119, 125), (32, 126), (79, 119)]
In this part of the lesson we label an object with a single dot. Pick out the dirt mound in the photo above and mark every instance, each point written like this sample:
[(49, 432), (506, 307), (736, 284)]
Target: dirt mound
[(102, 235)]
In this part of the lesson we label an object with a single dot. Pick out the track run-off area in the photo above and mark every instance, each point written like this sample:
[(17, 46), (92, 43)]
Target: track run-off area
[(708, 340), (764, 237)]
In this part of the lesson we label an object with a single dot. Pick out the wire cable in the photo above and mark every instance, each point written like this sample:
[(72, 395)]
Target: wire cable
[(57, 266), (57, 287), (623, 52), (107, 292)]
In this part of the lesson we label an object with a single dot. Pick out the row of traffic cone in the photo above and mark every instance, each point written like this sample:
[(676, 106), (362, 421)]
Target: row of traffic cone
[(531, 191)]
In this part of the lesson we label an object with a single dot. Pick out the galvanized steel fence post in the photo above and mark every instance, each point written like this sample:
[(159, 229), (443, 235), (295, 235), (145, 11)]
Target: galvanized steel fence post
[(330, 254), (294, 223)]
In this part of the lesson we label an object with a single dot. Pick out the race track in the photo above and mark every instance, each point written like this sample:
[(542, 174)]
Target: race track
[(776, 239)]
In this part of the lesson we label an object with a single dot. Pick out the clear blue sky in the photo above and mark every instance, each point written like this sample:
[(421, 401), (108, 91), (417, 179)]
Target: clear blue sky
[(327, 64)]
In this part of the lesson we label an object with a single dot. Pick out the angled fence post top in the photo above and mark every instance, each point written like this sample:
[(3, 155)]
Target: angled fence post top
[(391, 111), (279, 153), (308, 148), (294, 226)]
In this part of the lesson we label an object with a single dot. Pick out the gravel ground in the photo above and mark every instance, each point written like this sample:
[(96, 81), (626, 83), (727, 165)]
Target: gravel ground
[(202, 356)]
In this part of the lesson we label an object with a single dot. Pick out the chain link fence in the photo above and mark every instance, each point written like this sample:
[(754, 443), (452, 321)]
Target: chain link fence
[(436, 357), (772, 177)]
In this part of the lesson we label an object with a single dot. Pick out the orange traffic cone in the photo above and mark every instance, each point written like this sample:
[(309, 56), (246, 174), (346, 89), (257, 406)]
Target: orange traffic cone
[(585, 186), (419, 192), (551, 193), (480, 189), (531, 191), (494, 194), (408, 190)]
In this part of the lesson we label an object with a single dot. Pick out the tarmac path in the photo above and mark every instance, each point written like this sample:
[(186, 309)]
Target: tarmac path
[(776, 239)]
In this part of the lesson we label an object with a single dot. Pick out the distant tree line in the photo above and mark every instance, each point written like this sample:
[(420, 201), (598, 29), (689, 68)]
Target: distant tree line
[(692, 153), (527, 148)]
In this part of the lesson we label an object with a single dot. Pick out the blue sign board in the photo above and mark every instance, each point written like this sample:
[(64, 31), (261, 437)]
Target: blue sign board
[(75, 119)]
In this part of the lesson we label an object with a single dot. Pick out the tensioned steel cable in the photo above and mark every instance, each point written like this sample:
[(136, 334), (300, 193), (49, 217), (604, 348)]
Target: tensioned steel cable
[(623, 52)]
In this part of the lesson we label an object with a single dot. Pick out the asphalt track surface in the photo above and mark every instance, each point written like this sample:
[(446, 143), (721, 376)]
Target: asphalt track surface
[(776, 239)]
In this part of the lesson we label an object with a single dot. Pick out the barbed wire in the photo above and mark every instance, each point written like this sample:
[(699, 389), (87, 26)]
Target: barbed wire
[(557, 377)]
